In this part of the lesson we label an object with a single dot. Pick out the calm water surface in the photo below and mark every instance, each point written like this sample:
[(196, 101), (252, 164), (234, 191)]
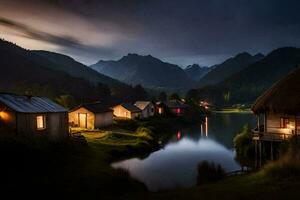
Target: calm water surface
[(175, 165)]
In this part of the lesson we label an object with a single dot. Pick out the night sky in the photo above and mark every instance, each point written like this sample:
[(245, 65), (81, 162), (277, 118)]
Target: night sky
[(177, 31)]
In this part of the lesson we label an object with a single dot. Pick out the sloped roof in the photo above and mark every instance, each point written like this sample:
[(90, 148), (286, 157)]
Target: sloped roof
[(282, 97), (94, 107), (130, 107), (30, 104), (176, 104), (142, 104)]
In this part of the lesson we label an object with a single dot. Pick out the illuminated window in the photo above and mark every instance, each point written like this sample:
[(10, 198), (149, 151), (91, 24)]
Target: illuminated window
[(284, 122), (40, 122), (160, 110)]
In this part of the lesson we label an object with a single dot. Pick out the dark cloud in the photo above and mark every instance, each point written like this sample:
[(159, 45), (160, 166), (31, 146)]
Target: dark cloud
[(32, 33), (193, 30), (67, 43)]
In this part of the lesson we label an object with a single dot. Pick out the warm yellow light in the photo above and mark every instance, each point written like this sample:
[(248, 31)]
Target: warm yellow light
[(4, 116), (40, 122)]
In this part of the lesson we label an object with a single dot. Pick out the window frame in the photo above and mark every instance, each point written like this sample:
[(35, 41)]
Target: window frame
[(284, 121), (43, 121)]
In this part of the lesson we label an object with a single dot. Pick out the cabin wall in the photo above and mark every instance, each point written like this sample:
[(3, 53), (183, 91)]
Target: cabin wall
[(120, 111), (148, 111), (273, 124), (56, 124), (103, 119), (8, 120), (135, 115), (74, 117), (177, 111)]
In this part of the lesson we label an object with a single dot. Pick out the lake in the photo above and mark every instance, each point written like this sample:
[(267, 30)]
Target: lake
[(175, 165)]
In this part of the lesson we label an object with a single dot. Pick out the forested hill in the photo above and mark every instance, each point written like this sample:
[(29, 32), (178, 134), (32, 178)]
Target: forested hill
[(246, 85), (229, 67), (24, 72)]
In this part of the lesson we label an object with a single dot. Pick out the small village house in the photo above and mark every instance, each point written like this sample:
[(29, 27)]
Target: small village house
[(278, 110), (91, 116), (147, 108), (160, 108), (30, 115), (126, 110), (176, 107)]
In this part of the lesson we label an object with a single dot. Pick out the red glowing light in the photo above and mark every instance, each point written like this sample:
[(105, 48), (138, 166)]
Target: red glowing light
[(178, 135)]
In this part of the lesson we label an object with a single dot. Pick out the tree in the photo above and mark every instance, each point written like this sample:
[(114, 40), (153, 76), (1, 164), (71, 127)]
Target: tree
[(140, 92), (104, 92), (174, 96), (66, 101), (162, 96), (192, 95)]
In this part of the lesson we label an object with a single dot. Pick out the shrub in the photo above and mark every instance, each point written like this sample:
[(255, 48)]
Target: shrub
[(209, 172), (145, 132), (243, 143)]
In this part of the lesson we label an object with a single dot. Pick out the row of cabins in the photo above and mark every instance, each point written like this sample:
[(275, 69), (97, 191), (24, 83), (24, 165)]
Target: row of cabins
[(32, 114)]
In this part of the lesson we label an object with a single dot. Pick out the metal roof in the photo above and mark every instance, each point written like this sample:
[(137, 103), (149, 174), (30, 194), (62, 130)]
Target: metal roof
[(130, 107), (30, 104)]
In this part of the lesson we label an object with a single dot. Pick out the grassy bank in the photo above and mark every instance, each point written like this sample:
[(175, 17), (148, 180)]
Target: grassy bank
[(79, 169)]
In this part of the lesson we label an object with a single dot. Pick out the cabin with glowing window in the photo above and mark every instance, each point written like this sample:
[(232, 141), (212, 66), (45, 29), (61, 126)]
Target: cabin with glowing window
[(147, 108), (278, 110), (126, 110), (177, 107), (91, 116), (161, 108), (30, 115)]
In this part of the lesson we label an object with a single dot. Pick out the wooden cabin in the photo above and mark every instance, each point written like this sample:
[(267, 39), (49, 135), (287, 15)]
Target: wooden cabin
[(176, 107), (278, 110), (91, 116), (33, 115), (147, 108), (126, 110)]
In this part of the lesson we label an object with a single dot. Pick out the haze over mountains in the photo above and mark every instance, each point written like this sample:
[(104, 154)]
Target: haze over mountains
[(145, 70)]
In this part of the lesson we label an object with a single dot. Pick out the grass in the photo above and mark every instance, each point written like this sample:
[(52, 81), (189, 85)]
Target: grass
[(82, 170)]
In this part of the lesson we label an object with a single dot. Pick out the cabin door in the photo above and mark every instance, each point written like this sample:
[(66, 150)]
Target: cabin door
[(82, 120)]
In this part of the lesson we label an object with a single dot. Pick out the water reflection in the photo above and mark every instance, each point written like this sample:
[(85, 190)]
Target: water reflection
[(176, 164)]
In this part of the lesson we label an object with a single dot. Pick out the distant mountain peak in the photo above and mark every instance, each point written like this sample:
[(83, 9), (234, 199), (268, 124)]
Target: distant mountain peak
[(145, 70)]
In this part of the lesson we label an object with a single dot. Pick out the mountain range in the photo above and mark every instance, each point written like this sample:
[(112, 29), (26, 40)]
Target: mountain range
[(196, 72), (229, 67), (145, 70), (55, 75), (246, 85)]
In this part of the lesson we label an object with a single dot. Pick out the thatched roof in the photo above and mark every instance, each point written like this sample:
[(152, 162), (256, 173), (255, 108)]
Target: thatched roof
[(283, 97)]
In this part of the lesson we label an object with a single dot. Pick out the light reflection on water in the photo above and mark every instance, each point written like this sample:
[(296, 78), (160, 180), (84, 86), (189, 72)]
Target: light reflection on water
[(176, 164)]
